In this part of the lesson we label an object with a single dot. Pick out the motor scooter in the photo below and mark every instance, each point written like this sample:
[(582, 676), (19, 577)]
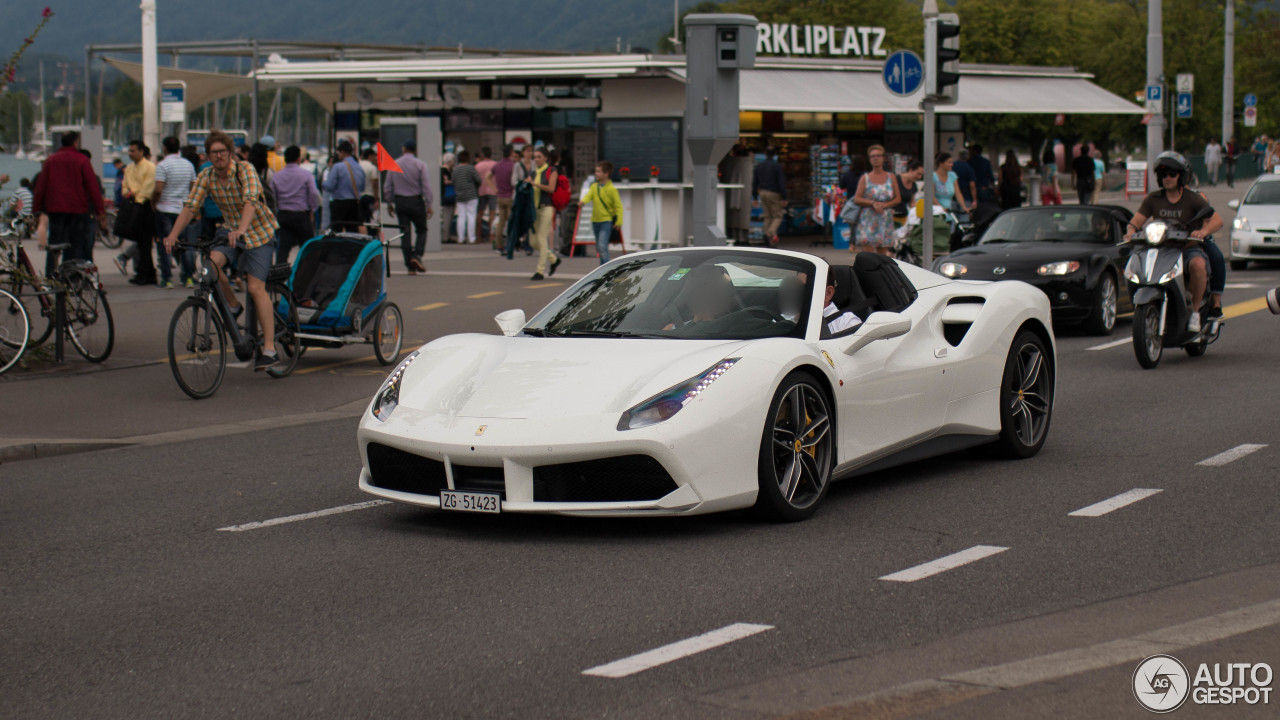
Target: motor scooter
[(1161, 300)]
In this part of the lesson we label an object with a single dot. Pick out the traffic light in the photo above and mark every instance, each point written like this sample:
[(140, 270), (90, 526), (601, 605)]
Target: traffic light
[(942, 58)]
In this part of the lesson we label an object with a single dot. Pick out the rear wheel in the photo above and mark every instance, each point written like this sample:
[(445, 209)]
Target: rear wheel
[(15, 330), (388, 336), (1147, 343), (1102, 320), (41, 320), (796, 451), (288, 346), (1026, 397), (89, 321), (197, 348)]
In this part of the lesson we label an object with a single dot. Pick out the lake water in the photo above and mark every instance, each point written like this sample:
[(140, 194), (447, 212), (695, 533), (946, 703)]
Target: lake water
[(15, 168)]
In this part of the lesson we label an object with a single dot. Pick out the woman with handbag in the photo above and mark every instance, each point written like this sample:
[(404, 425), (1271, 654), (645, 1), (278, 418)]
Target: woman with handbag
[(876, 197), (606, 210)]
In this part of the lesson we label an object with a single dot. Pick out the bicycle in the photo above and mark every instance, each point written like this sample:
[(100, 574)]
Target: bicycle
[(89, 323), (107, 235), (203, 323), (15, 330)]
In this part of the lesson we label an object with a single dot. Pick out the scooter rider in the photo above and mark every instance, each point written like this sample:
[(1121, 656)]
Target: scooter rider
[(1173, 203)]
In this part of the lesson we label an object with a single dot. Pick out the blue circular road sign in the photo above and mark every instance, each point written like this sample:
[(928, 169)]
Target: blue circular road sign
[(903, 73), (1250, 100)]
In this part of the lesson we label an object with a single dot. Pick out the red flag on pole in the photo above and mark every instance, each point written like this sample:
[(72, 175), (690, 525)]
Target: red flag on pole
[(386, 162)]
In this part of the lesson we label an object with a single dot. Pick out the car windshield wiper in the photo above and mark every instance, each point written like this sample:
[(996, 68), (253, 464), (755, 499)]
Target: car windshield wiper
[(541, 332), (608, 334)]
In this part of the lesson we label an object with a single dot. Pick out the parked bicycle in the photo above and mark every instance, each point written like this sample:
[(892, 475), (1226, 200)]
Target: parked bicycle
[(15, 330), (89, 324), (203, 324)]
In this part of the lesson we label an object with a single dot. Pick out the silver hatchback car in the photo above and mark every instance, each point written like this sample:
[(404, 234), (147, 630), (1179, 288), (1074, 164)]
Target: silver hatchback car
[(1255, 232)]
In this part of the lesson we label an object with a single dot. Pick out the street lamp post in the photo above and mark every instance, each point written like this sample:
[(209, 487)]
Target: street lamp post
[(1229, 74), (150, 78), (1155, 76)]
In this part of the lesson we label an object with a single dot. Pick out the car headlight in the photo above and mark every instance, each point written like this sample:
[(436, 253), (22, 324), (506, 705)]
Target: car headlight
[(1155, 232), (388, 397), (667, 403), (952, 269), (1241, 223), (1066, 267)]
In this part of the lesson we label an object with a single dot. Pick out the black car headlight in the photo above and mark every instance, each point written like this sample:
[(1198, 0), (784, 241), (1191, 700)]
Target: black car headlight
[(388, 396), (667, 403)]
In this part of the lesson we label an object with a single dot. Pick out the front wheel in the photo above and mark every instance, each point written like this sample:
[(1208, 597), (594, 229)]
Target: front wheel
[(15, 330), (797, 450), (1102, 320), (1148, 345), (1026, 397), (388, 336), (197, 348), (89, 321), (288, 345)]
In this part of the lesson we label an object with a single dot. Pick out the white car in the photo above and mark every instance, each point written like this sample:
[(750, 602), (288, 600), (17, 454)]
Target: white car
[(696, 380), (1255, 231)]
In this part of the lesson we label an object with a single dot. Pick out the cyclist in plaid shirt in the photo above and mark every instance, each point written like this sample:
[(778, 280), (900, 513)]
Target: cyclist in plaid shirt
[(234, 187)]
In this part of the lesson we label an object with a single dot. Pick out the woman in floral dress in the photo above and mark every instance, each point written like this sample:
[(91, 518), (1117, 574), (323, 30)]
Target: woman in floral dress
[(877, 195)]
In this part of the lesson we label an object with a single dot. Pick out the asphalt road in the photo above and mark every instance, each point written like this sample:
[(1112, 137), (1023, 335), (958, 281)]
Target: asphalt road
[(122, 598)]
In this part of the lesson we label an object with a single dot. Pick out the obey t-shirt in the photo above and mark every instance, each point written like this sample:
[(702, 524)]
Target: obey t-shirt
[(1156, 206)]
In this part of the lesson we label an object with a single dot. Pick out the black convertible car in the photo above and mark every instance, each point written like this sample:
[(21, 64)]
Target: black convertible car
[(1068, 251)]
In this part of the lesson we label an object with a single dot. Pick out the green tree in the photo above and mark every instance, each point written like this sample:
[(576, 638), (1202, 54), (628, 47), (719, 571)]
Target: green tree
[(10, 102)]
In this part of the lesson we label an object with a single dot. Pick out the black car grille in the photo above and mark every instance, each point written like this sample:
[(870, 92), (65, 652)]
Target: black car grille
[(393, 469), (1264, 250), (480, 479), (629, 478)]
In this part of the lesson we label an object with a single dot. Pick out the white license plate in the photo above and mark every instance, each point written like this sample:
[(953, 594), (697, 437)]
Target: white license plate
[(461, 501)]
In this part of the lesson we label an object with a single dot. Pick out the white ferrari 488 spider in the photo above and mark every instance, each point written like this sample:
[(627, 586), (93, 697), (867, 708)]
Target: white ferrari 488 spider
[(696, 380)]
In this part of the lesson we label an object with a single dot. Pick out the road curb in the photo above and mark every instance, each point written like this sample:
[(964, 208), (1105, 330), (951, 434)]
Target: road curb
[(18, 449)]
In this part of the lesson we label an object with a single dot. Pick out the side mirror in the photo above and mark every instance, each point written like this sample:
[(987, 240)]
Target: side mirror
[(1234, 204), (511, 322), (880, 326)]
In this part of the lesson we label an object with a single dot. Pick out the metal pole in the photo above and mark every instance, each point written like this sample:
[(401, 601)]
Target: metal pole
[(235, 122), (253, 124), (1229, 75), (930, 141), (297, 118), (150, 77), (1155, 76), (88, 110)]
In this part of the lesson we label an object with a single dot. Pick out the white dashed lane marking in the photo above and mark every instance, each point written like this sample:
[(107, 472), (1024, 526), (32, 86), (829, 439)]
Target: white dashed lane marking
[(1108, 346), (943, 564), (303, 516), (1115, 503), (676, 651), (1231, 455)]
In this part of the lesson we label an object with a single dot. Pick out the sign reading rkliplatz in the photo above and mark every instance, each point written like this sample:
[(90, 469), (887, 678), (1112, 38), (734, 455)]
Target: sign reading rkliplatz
[(786, 39)]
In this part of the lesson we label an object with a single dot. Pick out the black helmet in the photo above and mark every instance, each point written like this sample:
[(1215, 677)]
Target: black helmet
[(1174, 161)]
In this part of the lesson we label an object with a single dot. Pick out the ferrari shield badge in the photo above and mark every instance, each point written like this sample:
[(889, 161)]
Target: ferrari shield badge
[(480, 430)]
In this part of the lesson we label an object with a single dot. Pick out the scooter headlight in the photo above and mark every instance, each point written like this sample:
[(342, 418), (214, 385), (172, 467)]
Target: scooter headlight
[(1133, 270), (1155, 232), (1169, 276), (388, 397)]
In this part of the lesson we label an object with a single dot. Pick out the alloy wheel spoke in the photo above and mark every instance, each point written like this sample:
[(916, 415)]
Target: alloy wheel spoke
[(810, 466), (1031, 372), (790, 477), (817, 429)]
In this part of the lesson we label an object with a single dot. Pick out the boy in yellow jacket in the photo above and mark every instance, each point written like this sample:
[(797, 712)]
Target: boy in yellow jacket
[(606, 208)]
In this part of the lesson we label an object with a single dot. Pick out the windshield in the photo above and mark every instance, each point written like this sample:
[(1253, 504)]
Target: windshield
[(1263, 193), (692, 294), (1055, 225)]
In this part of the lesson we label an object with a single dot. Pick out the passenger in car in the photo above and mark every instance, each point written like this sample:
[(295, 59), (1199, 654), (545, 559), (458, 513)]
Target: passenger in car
[(837, 321)]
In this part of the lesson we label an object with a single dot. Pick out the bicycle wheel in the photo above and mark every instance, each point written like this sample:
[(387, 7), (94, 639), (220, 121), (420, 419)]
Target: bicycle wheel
[(89, 321), (41, 319), (388, 336), (15, 330), (107, 237), (197, 348), (288, 345)]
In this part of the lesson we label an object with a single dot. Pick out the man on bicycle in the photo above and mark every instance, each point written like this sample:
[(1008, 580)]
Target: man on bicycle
[(235, 189)]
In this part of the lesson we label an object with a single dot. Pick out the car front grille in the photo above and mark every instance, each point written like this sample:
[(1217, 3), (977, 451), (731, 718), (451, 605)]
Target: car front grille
[(1265, 250), (394, 469), (629, 478), (480, 479)]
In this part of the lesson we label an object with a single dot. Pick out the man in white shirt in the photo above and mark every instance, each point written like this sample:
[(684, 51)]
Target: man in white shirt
[(1213, 159), (174, 176), (837, 322)]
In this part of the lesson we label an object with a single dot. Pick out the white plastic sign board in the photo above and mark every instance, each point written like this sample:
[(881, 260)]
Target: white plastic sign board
[(1251, 116), (1135, 178), (1186, 82), (173, 102)]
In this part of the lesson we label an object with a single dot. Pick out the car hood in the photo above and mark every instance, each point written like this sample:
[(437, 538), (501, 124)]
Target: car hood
[(487, 376), (1265, 217), (1022, 254)]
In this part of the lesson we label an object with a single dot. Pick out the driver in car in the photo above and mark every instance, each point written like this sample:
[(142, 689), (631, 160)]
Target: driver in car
[(1172, 203), (1101, 226), (708, 295)]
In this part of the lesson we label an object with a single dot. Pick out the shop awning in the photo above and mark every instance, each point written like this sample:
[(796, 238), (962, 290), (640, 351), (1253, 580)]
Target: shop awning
[(864, 92), (202, 87)]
